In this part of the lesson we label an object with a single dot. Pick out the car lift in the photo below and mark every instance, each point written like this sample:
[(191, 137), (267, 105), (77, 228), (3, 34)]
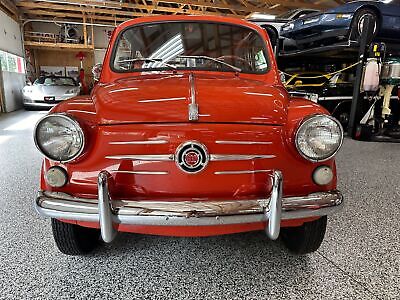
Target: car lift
[(345, 51)]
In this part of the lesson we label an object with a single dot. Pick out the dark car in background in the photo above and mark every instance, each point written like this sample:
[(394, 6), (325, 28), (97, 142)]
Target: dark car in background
[(273, 24), (346, 22)]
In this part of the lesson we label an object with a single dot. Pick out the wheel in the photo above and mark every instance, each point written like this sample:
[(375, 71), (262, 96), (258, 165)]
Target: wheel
[(306, 238), (358, 25), (273, 36), (73, 239)]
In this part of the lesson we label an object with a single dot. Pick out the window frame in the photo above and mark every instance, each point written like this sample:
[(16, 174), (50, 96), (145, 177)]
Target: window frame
[(162, 69)]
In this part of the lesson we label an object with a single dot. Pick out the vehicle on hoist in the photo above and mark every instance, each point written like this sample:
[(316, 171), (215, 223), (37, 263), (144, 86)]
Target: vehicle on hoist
[(274, 24), (345, 22), (189, 132)]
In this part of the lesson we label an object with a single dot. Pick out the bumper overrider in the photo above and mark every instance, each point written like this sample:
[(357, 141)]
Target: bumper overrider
[(108, 212)]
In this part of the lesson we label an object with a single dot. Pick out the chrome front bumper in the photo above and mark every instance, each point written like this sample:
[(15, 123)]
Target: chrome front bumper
[(186, 213)]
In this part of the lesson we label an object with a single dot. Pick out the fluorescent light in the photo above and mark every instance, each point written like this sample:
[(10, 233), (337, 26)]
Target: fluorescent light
[(259, 15)]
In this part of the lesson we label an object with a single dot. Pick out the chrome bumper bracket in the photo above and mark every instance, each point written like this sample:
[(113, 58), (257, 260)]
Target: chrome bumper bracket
[(274, 212), (108, 232)]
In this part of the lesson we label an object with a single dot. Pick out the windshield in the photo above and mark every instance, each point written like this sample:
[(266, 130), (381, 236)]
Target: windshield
[(190, 46), (55, 81)]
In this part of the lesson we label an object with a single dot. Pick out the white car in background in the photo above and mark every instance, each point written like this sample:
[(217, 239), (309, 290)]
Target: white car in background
[(47, 91), (272, 24)]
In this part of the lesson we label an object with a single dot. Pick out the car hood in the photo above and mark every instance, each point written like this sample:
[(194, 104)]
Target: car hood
[(166, 98), (55, 90)]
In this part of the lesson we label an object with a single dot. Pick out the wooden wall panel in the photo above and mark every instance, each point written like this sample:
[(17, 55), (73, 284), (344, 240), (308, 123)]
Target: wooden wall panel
[(64, 57)]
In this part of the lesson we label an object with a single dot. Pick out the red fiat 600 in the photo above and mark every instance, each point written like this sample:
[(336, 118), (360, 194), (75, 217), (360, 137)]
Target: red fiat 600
[(189, 132)]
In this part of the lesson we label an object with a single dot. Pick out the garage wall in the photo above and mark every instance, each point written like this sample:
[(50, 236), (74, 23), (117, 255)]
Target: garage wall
[(101, 40), (101, 35), (12, 83), (10, 35), (64, 58), (67, 57)]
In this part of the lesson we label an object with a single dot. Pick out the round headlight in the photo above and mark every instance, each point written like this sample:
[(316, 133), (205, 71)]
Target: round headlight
[(319, 138), (59, 137)]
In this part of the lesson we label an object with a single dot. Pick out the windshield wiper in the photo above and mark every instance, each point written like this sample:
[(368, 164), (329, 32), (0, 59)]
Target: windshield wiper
[(147, 60), (237, 69)]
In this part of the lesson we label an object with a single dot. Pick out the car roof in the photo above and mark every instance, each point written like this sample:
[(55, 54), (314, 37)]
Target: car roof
[(187, 18)]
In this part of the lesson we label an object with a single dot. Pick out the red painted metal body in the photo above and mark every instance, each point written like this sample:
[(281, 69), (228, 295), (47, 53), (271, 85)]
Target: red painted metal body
[(233, 107)]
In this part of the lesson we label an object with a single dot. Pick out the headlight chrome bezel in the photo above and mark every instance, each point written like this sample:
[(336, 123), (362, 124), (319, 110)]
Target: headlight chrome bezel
[(303, 123), (75, 123)]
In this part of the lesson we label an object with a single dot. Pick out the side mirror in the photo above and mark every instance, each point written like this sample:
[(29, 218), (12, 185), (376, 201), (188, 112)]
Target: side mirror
[(96, 71), (283, 77)]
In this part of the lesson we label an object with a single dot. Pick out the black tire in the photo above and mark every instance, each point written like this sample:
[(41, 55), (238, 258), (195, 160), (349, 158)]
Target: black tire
[(306, 238), (73, 239), (273, 35), (356, 26)]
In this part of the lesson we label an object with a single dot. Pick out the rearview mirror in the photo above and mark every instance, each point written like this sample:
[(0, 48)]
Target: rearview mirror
[(96, 71)]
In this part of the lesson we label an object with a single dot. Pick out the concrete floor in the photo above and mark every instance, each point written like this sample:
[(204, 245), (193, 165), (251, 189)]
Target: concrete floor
[(359, 259)]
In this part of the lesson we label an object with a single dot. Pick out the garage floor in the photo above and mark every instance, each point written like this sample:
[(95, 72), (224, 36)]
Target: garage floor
[(359, 259)]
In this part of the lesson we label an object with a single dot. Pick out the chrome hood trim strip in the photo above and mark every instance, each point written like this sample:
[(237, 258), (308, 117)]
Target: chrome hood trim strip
[(193, 109)]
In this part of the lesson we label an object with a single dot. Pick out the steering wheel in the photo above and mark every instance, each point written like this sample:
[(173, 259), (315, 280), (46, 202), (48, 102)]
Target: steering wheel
[(233, 57)]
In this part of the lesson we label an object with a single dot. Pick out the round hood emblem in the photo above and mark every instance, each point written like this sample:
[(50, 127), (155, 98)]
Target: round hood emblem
[(191, 157)]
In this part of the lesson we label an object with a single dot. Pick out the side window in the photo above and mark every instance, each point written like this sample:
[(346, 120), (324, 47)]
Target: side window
[(302, 13)]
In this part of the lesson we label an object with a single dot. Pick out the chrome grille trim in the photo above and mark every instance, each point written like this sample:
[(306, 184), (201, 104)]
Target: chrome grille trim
[(233, 157), (160, 157), (241, 172), (171, 157), (242, 143), (155, 142), (140, 172)]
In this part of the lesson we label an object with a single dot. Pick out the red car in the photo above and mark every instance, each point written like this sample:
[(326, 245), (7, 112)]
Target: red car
[(189, 132)]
